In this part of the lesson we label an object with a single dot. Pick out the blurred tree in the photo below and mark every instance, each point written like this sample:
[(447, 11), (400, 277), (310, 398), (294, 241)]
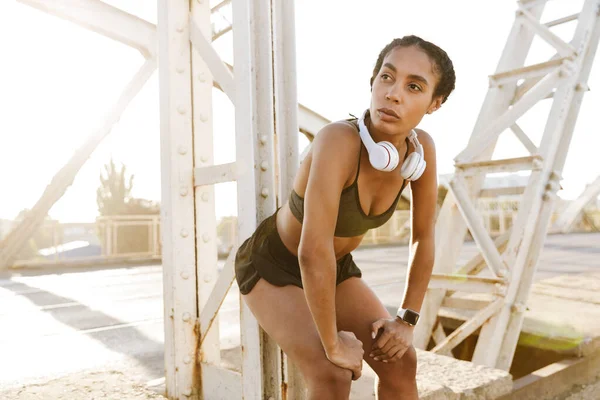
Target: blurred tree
[(113, 197), (114, 191)]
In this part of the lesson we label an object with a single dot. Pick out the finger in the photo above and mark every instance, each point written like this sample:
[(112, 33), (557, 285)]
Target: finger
[(393, 342), (378, 351), (392, 353), (383, 339), (356, 373), (400, 353), (375, 327)]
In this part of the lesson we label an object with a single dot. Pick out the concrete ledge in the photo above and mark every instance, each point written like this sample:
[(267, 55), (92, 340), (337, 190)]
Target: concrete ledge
[(556, 379), (441, 377), (438, 378)]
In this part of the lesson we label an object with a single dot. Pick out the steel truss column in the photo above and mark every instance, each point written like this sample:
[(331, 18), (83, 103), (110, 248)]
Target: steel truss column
[(512, 258), (185, 86)]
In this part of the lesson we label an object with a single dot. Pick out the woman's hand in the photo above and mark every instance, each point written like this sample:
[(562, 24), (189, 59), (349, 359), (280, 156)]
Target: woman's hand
[(395, 338), (347, 353)]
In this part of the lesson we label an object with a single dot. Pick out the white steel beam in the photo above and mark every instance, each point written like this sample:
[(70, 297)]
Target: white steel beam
[(286, 134), (563, 48), (261, 363), (214, 174), (505, 165), (488, 249), (531, 71), (178, 214), (202, 65), (563, 20), (219, 70), (467, 283), (467, 328), (105, 19), (524, 139), (508, 118), (208, 314), (286, 98)]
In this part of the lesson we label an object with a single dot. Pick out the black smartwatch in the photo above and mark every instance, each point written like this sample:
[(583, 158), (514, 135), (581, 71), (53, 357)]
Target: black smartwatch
[(408, 316)]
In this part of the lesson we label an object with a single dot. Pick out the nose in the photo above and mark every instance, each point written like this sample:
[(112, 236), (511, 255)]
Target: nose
[(394, 95)]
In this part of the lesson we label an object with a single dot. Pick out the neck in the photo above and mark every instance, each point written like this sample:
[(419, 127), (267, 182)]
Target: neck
[(398, 140)]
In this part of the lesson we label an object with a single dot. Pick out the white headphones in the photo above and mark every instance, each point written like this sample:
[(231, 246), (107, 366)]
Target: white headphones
[(383, 156)]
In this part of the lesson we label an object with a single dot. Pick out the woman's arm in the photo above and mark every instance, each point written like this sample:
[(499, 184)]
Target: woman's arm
[(423, 212), (334, 156), (395, 337)]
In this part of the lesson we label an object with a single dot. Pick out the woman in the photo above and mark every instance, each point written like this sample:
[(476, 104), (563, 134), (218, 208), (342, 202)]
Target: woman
[(296, 272)]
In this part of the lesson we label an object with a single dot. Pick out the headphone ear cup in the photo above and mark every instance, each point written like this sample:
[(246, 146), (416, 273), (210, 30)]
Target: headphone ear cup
[(379, 157), (392, 153), (409, 166), (420, 169)]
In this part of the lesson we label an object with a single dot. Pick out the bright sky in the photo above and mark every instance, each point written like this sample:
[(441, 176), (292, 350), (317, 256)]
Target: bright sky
[(65, 78)]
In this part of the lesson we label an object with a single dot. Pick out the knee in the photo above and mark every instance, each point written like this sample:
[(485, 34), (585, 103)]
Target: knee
[(400, 372), (328, 377)]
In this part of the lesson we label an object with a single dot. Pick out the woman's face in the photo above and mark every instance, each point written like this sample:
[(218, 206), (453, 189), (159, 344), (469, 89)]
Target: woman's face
[(402, 91)]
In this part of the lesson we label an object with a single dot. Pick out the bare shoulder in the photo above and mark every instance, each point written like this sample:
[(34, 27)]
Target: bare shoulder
[(339, 142), (340, 135)]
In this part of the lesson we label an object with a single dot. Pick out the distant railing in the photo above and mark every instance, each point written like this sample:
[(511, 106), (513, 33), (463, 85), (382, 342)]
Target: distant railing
[(137, 237), (110, 238)]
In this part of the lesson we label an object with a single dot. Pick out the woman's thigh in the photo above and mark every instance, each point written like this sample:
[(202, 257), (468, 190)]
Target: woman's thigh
[(357, 307), (282, 311)]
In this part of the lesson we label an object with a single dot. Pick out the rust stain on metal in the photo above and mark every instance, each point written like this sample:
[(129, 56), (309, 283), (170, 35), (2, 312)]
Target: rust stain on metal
[(198, 357), (284, 390)]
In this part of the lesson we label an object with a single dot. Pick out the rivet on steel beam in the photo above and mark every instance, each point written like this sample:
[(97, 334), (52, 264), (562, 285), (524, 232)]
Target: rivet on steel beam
[(185, 274), (207, 278), (182, 150), (264, 192), (204, 196), (187, 392), (184, 233), (264, 165), (185, 317), (203, 158), (202, 77), (180, 70), (181, 109), (180, 28), (518, 307), (263, 139), (206, 237), (203, 117), (183, 191), (187, 360)]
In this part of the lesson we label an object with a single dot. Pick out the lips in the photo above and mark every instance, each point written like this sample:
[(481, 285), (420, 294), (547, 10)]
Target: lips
[(388, 111)]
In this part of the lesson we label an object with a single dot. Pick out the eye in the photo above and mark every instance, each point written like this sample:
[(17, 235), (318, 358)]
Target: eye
[(414, 86), (385, 76)]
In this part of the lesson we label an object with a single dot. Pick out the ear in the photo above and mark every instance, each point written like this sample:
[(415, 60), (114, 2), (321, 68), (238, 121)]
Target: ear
[(435, 105)]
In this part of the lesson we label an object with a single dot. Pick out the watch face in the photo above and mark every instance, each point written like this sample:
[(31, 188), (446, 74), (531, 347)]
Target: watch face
[(411, 317)]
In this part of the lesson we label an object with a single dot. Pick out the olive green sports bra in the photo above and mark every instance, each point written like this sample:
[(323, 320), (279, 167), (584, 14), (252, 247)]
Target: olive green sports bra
[(351, 220)]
